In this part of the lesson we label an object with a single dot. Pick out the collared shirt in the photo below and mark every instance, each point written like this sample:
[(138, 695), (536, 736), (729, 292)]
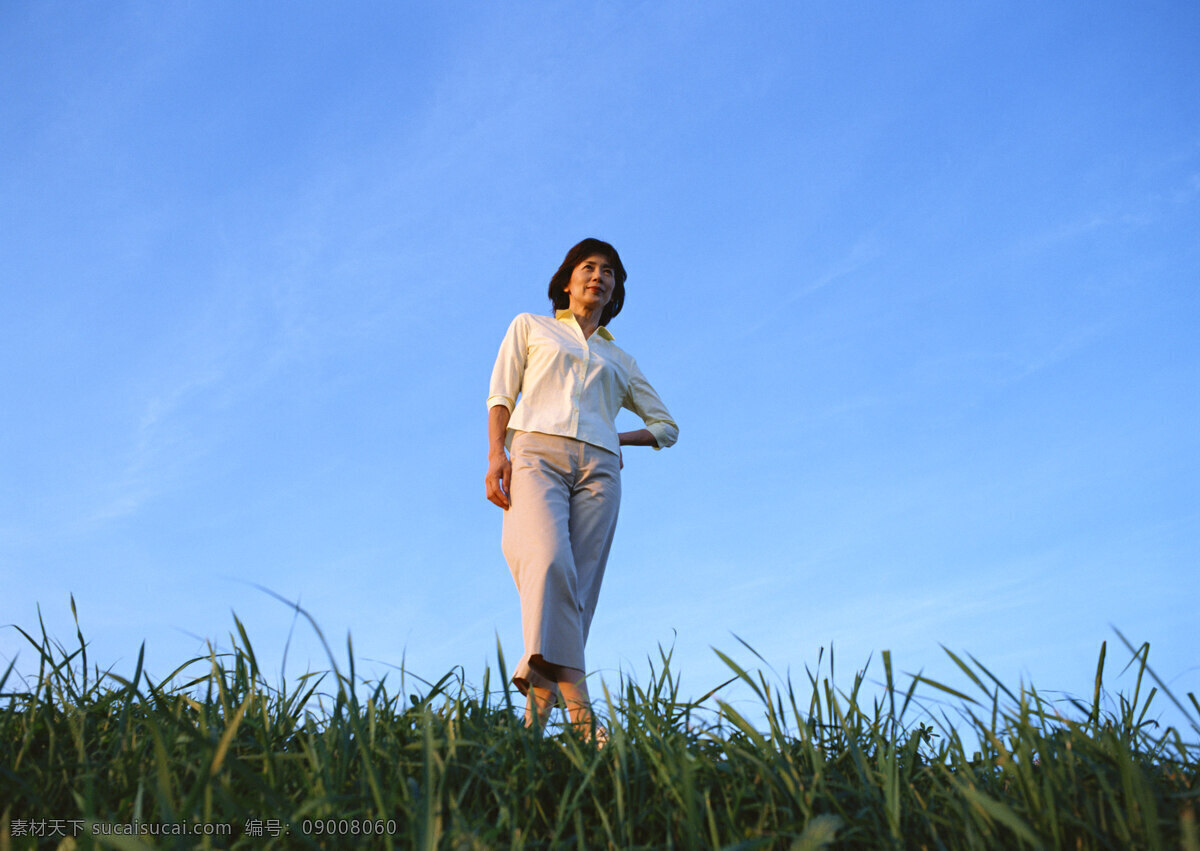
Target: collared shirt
[(570, 385)]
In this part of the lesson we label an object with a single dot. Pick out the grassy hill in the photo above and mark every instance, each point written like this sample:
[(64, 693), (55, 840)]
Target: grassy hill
[(214, 756)]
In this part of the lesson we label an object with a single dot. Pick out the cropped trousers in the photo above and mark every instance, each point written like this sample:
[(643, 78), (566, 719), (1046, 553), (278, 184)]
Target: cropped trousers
[(564, 498)]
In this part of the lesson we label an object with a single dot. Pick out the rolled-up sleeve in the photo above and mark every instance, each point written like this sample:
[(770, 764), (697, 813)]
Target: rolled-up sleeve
[(644, 401), (509, 369)]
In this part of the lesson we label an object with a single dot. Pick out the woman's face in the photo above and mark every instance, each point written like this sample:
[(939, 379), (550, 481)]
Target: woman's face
[(592, 283)]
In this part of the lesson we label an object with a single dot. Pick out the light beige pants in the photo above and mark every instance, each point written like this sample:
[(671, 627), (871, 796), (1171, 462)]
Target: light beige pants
[(565, 495)]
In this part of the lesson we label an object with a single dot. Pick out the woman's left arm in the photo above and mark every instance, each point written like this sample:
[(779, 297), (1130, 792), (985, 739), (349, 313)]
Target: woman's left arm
[(641, 398), (641, 437)]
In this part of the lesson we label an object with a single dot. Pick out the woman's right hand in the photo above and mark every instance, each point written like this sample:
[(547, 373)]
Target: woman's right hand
[(499, 472), (498, 479)]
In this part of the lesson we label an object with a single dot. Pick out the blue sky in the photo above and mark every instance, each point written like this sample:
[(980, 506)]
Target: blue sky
[(918, 282)]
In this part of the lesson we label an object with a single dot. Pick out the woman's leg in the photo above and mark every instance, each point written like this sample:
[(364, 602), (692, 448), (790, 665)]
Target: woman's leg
[(571, 686), (538, 705), (594, 500), (557, 534), (595, 503), (536, 543)]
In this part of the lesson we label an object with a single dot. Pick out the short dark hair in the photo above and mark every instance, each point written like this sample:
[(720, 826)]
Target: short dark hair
[(578, 253)]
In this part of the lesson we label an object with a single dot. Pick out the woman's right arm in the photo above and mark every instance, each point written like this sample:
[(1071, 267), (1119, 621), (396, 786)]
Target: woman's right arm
[(499, 474), (508, 374)]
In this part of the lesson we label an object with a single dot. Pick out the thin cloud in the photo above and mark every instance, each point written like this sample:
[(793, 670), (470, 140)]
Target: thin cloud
[(862, 253)]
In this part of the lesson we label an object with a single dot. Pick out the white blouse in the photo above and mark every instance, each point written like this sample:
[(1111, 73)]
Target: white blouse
[(553, 380)]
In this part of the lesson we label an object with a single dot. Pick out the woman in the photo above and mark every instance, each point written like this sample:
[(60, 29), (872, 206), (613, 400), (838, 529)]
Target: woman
[(556, 388)]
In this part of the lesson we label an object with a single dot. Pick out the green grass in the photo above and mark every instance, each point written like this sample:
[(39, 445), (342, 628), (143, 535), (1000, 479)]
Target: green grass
[(811, 767)]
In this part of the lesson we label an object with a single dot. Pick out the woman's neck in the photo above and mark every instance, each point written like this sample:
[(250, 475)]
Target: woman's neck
[(589, 320)]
